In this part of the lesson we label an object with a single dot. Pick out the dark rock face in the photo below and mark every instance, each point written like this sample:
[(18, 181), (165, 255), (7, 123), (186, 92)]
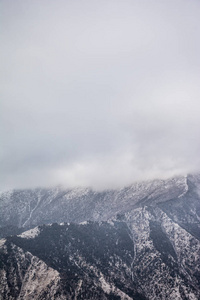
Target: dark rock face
[(96, 257), (142, 242)]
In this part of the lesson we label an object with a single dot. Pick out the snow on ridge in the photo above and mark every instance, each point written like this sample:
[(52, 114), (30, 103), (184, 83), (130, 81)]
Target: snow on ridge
[(77, 192), (186, 188), (84, 223), (30, 234), (2, 242), (6, 194), (108, 288)]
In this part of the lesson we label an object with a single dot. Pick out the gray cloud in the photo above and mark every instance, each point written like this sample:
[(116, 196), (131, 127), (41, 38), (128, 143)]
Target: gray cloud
[(98, 93)]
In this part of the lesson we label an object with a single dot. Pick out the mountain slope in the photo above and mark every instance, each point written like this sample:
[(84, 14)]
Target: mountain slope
[(140, 242), (145, 256), (29, 208)]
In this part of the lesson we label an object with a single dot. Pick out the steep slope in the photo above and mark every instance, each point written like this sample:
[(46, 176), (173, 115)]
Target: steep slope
[(185, 210), (89, 263), (21, 275), (29, 208), (140, 242), (145, 256), (167, 257)]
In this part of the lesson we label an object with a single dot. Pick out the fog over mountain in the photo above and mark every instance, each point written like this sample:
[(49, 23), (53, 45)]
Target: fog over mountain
[(98, 93), (141, 242)]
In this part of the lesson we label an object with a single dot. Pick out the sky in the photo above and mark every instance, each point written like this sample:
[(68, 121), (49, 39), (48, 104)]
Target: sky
[(98, 93)]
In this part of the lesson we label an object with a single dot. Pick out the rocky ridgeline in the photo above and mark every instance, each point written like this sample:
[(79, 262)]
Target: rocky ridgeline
[(140, 242)]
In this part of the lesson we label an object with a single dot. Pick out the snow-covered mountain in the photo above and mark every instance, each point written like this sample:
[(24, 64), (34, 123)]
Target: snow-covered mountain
[(139, 242), (29, 208)]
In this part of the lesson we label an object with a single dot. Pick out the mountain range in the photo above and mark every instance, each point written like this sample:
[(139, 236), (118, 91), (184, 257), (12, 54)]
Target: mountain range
[(137, 242)]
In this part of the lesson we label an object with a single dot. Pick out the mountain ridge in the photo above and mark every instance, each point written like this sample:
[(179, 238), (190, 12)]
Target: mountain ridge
[(141, 242), (29, 208)]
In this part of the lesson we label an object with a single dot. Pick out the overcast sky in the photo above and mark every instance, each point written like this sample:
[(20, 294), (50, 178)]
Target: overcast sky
[(98, 93)]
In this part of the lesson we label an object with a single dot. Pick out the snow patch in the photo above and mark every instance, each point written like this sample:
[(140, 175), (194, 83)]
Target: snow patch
[(30, 234), (2, 242), (77, 192), (186, 188), (108, 288), (84, 223)]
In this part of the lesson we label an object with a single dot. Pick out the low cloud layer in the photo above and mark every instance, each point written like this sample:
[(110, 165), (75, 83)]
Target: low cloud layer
[(98, 93)]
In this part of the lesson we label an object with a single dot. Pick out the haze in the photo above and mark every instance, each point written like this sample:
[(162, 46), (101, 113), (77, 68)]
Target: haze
[(98, 93)]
